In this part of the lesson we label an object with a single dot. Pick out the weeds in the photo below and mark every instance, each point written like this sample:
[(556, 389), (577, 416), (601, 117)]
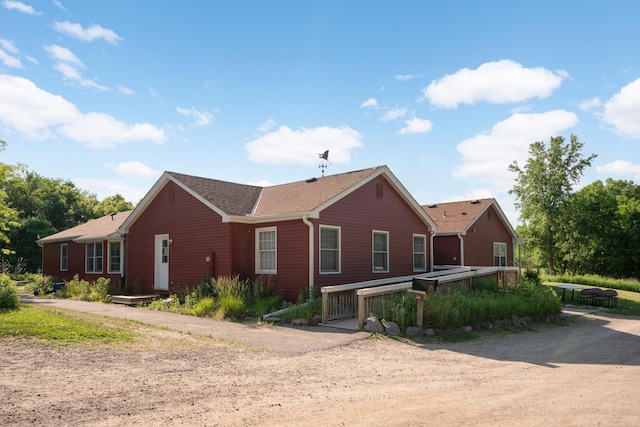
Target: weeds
[(9, 299)]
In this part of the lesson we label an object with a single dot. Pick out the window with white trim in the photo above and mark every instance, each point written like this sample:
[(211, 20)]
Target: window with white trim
[(419, 252), (329, 249), (266, 250), (93, 251), (499, 254), (380, 255), (64, 257), (115, 257)]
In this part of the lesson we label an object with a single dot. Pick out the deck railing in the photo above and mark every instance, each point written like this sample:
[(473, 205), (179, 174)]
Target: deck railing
[(363, 298)]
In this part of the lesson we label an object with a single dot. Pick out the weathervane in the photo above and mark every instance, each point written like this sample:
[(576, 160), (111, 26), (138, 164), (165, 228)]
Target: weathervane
[(324, 156)]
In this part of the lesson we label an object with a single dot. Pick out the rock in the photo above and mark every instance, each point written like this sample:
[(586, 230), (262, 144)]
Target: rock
[(392, 329), (300, 322), (413, 332), (316, 320), (516, 321), (429, 332), (373, 325), (467, 329), (487, 325)]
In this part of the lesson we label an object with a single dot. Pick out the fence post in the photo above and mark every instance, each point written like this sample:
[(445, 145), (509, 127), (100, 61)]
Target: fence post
[(420, 296), (361, 311), (325, 307)]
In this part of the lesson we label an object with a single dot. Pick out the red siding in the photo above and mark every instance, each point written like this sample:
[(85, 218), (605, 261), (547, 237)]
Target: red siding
[(358, 215), (76, 263), (446, 250), (478, 243), (196, 232)]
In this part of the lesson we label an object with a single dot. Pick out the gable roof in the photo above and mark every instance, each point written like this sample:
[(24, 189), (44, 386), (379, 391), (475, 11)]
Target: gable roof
[(102, 228), (458, 217), (251, 204)]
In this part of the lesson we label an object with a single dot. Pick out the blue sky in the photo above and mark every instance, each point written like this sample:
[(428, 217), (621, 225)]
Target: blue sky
[(111, 94)]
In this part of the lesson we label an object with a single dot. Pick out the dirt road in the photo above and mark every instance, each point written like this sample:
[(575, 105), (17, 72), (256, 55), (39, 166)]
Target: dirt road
[(585, 372)]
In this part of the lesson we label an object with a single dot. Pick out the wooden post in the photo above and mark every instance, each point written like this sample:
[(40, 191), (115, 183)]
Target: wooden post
[(362, 317), (420, 296), (325, 307)]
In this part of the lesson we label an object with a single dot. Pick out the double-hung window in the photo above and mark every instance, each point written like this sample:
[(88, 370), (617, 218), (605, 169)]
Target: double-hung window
[(115, 257), (329, 249), (266, 250), (93, 257), (499, 254), (380, 253), (64, 257), (419, 252)]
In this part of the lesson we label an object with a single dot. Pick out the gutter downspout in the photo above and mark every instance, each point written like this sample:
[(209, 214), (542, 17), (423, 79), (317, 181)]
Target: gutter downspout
[(305, 219), (461, 249), (432, 234)]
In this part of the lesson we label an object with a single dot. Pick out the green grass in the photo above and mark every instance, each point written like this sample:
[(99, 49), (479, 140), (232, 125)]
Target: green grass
[(628, 301), (51, 326), (632, 285)]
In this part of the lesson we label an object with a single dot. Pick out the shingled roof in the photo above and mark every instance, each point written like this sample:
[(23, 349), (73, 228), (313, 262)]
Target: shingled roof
[(102, 228), (249, 203), (457, 217)]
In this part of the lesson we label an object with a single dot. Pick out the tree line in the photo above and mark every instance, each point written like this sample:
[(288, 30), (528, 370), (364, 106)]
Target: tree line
[(594, 230), (33, 206)]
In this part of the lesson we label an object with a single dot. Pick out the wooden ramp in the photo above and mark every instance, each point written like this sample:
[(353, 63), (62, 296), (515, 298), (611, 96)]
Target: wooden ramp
[(133, 299)]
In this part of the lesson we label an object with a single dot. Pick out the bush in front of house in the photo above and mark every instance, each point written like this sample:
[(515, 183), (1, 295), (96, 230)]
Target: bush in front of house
[(225, 297), (9, 298), (84, 290)]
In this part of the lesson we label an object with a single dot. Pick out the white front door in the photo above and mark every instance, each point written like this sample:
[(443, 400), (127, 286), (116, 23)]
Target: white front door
[(161, 279)]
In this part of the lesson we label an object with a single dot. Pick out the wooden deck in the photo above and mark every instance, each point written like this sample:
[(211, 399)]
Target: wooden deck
[(133, 299)]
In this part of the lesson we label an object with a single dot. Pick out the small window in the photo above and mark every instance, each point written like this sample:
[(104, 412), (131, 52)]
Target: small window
[(380, 251), (94, 257), (115, 257), (266, 247), (419, 252), (329, 249), (499, 254), (64, 257)]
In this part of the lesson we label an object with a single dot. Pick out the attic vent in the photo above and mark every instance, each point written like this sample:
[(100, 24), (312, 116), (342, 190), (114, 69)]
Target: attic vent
[(432, 206), (310, 180), (379, 191), (475, 202)]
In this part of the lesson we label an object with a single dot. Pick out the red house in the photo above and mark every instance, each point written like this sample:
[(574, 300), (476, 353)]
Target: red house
[(343, 228), (91, 250), (472, 233)]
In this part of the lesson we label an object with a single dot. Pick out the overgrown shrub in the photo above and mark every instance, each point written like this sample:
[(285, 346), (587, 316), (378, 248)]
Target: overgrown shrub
[(9, 298), (84, 290), (402, 310), (42, 285)]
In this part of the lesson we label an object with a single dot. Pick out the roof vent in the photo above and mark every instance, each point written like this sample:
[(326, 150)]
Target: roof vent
[(113, 214), (475, 202), (309, 181), (432, 206), (463, 213)]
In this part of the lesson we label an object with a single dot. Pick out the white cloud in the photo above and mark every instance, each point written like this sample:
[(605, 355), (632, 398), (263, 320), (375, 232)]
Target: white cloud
[(621, 168), (8, 46), (63, 54), (416, 125), (104, 188), (287, 146), (125, 90), (38, 114), (59, 5), (135, 168), (393, 114), (622, 111), (593, 104), (371, 102), (153, 93), (20, 7), (67, 63), (499, 82), (267, 126), (405, 77), (201, 118), (87, 34), (486, 157), (9, 61)]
